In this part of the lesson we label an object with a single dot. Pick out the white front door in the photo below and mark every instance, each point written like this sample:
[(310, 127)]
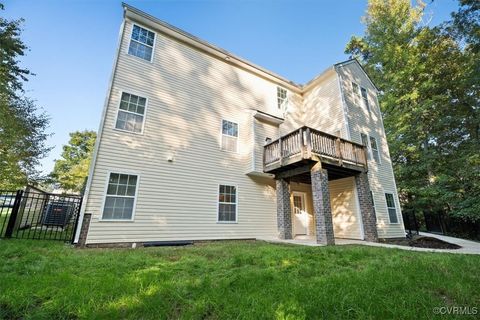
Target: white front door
[(300, 215)]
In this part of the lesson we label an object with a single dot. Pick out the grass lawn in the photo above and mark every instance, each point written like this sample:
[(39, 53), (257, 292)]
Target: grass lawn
[(231, 280)]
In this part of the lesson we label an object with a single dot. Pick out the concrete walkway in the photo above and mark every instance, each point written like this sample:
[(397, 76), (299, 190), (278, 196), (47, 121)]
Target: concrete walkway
[(467, 247)]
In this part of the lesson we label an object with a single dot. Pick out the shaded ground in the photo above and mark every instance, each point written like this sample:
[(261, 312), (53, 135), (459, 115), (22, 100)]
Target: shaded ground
[(231, 280), (423, 242)]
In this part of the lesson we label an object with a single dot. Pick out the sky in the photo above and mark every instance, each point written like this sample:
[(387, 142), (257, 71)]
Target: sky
[(72, 45)]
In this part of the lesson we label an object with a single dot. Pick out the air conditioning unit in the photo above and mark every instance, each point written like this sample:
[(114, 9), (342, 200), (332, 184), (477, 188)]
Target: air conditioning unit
[(58, 213)]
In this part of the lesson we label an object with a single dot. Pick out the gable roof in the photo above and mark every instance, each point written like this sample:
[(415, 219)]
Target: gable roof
[(354, 60), (226, 56)]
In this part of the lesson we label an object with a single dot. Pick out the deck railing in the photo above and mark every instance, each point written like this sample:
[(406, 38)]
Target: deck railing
[(305, 142)]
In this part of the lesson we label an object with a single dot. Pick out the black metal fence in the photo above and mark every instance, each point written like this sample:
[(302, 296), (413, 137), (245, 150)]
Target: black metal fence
[(35, 214), (410, 222)]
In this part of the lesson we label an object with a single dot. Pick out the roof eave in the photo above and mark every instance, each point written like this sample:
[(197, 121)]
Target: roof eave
[(181, 35)]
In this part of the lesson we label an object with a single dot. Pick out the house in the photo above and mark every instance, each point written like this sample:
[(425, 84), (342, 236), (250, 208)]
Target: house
[(196, 143)]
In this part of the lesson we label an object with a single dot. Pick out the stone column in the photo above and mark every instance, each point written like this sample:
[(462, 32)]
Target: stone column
[(321, 205), (84, 230), (284, 210), (369, 217)]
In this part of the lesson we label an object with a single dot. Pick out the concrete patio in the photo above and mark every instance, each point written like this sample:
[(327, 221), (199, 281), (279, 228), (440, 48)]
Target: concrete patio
[(467, 246)]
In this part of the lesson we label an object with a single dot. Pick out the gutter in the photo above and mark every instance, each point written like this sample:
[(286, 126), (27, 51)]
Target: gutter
[(179, 34), (99, 136)]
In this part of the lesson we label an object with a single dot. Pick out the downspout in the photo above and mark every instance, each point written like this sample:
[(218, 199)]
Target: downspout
[(397, 198), (344, 104), (99, 135), (254, 145)]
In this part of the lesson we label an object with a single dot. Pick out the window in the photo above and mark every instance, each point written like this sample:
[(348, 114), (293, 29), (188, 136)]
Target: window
[(229, 135), (365, 98), (392, 212), (131, 113), (374, 148), (120, 197), (356, 93), (365, 144), (141, 43), (364, 139), (373, 201), (281, 98), (227, 203)]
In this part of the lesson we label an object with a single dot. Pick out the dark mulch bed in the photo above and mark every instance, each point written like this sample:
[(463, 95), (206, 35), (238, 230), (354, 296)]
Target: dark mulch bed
[(423, 242)]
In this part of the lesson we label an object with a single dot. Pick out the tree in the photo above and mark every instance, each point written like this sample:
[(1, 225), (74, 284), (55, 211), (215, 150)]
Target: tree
[(71, 170), (22, 125), (428, 85)]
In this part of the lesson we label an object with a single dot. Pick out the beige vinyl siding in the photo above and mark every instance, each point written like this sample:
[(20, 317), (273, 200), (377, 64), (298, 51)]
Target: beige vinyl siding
[(347, 221), (189, 93), (381, 175), (323, 105), (294, 115), (262, 131), (178, 156)]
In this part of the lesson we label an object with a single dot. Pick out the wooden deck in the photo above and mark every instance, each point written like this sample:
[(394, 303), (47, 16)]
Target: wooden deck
[(306, 144)]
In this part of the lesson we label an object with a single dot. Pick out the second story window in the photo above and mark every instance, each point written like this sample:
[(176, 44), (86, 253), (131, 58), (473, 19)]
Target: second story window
[(131, 113), (356, 94), (141, 43), (364, 139), (374, 148), (281, 98), (365, 143), (365, 99), (229, 136)]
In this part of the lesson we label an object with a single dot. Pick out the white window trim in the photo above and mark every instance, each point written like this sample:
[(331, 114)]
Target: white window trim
[(130, 39), (120, 171), (221, 135), (218, 203), (396, 206), (371, 150), (118, 110)]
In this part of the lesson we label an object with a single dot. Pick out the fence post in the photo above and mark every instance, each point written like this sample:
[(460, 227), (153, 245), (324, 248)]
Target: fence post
[(14, 214), (416, 222)]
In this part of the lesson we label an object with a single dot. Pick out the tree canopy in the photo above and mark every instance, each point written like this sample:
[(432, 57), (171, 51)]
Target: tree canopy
[(22, 124), (71, 170), (428, 82)]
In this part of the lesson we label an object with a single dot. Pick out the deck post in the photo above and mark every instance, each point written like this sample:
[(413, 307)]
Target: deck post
[(284, 211), (280, 148), (321, 205), (369, 218), (308, 144)]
